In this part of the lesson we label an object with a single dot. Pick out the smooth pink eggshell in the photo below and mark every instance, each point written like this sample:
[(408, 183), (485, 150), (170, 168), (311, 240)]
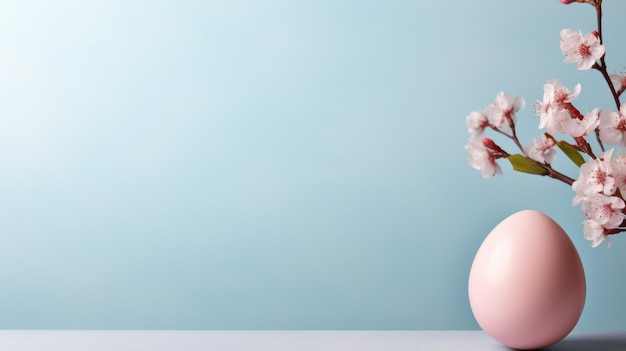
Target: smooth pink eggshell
[(527, 283)]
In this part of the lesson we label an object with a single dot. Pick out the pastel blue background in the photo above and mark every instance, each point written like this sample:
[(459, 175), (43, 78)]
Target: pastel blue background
[(271, 164)]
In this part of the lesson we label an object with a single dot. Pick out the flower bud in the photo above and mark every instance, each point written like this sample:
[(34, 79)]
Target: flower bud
[(488, 143), (493, 148)]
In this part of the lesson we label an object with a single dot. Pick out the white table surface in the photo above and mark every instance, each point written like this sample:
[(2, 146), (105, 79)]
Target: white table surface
[(170, 340)]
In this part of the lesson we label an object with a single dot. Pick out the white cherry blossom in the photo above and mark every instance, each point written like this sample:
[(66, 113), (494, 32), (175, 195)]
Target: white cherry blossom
[(613, 126), (606, 210), (554, 111), (577, 127), (541, 150), (501, 113), (594, 232), (618, 165), (585, 50), (595, 177), (481, 159), (476, 123)]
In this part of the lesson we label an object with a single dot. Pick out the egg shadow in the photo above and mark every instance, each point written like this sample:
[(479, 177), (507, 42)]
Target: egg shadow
[(586, 341)]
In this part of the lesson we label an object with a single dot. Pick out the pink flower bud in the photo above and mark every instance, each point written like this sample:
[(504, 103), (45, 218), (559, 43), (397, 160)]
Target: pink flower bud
[(489, 144), (493, 149)]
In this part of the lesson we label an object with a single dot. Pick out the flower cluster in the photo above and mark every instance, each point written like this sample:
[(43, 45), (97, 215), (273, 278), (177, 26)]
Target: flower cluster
[(601, 184)]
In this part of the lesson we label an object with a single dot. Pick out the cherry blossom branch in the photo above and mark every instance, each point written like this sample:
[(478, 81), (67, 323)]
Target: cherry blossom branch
[(605, 74), (552, 173), (558, 175), (601, 186), (598, 6)]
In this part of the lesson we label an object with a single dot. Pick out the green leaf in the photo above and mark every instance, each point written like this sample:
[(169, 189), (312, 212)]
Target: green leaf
[(524, 164), (571, 152)]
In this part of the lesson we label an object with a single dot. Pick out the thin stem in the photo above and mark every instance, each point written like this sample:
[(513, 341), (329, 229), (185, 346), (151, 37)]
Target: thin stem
[(598, 7), (516, 140), (607, 78), (602, 66), (598, 139), (556, 175)]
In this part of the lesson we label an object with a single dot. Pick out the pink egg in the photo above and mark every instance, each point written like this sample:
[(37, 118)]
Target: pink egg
[(527, 283)]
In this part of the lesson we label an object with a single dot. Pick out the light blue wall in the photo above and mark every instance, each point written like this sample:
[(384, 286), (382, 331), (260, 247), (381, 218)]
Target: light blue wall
[(270, 164)]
